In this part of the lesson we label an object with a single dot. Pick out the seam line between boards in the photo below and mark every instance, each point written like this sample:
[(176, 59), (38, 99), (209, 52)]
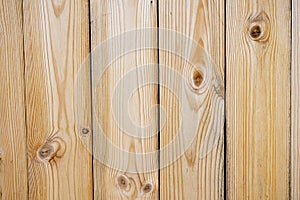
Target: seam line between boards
[(91, 92), (158, 97), (25, 100)]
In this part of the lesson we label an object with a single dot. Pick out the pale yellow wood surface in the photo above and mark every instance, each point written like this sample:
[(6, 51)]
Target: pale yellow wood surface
[(118, 176), (295, 107), (13, 166), (193, 102), (55, 102), (258, 99), (56, 36)]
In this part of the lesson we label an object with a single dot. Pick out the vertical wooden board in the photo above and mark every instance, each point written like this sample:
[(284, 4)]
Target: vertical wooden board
[(295, 107), (56, 44), (13, 167), (116, 175), (258, 99), (191, 59)]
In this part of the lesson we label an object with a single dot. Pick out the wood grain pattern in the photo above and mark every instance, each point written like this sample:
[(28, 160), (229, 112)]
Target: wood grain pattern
[(55, 100), (119, 176), (56, 44), (258, 99), (194, 102), (295, 107), (13, 165)]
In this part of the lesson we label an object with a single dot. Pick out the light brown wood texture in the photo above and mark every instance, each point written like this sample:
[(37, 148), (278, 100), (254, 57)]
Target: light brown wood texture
[(193, 104), (56, 36), (13, 165), (258, 99), (113, 176), (91, 90), (295, 107)]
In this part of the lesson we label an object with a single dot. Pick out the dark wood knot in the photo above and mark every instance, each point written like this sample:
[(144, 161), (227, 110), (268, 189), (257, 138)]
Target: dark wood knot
[(255, 32), (147, 188), (259, 27), (85, 131)]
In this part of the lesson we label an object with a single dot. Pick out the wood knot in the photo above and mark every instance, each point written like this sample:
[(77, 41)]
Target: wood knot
[(259, 27), (46, 152), (123, 182), (85, 131), (255, 32), (147, 188), (197, 78), (51, 148)]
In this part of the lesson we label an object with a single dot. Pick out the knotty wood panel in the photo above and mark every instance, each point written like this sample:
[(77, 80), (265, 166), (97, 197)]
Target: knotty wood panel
[(192, 103), (295, 107), (56, 44), (13, 167), (118, 175), (258, 99)]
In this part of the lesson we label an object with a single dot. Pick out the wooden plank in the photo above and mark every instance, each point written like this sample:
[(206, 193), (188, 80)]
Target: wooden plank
[(193, 101), (13, 167), (116, 175), (56, 44), (295, 107), (258, 99)]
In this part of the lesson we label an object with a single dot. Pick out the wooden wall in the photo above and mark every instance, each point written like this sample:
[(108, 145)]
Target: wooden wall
[(149, 99)]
